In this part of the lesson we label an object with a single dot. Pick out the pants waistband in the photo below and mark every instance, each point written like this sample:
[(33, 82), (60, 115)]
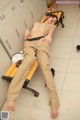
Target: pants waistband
[(36, 38)]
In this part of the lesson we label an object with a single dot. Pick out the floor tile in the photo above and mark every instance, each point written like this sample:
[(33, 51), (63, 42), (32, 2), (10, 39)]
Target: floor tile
[(64, 117), (62, 42), (27, 98), (59, 64), (75, 54), (70, 104), (78, 29), (38, 79), (74, 66), (59, 79), (60, 52), (28, 113), (72, 82), (76, 41)]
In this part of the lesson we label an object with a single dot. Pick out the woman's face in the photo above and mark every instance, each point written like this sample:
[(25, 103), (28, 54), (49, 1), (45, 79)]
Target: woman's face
[(51, 20)]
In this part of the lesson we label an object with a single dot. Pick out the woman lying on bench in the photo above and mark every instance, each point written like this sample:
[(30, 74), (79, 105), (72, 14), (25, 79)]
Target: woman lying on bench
[(36, 45)]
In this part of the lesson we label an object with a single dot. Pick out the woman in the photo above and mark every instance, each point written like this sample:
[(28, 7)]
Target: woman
[(36, 45)]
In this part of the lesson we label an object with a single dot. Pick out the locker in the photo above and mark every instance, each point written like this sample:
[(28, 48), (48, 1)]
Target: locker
[(4, 3), (3, 91), (40, 9), (9, 33), (4, 65), (9, 37), (4, 61), (18, 17), (31, 12), (44, 6), (34, 9), (28, 17), (26, 4)]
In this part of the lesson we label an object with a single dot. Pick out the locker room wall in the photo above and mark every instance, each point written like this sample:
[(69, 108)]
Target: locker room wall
[(15, 17)]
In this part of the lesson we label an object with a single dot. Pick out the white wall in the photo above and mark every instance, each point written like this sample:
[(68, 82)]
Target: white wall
[(15, 17)]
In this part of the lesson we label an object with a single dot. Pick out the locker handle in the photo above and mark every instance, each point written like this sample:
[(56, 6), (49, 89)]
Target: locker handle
[(13, 7), (9, 46), (21, 1), (32, 15), (17, 33), (37, 9), (25, 24), (2, 17)]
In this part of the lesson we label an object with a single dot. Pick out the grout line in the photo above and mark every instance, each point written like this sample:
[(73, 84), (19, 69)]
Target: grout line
[(70, 116), (75, 92)]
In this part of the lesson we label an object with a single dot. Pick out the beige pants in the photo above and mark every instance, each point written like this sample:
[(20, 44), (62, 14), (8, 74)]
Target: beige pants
[(42, 54)]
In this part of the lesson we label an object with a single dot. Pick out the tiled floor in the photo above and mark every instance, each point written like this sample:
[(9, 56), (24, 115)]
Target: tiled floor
[(66, 62)]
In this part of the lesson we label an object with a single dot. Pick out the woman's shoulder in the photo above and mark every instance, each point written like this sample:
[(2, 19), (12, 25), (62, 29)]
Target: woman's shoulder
[(36, 22)]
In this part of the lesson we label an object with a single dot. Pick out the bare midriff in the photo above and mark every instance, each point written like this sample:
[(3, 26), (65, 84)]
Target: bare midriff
[(39, 29)]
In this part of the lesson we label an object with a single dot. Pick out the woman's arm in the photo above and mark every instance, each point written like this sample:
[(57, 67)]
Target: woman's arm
[(50, 34), (27, 34)]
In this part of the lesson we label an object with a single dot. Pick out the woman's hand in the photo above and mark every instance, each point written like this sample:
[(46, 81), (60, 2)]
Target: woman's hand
[(27, 34)]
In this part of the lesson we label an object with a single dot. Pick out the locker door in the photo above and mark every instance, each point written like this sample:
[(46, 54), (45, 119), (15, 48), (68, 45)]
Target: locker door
[(33, 10), (44, 6), (28, 16), (29, 7), (4, 3), (9, 33), (4, 65), (3, 91), (18, 18), (9, 36), (26, 4), (39, 9), (4, 60)]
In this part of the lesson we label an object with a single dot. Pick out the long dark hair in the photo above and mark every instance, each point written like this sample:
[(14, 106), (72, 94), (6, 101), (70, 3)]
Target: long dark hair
[(50, 14)]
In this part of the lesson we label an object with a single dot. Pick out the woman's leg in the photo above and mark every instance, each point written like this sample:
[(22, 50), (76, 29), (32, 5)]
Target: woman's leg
[(43, 59), (20, 76)]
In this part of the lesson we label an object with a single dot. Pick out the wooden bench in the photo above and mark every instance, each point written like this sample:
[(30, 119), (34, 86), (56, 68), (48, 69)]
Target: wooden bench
[(13, 68)]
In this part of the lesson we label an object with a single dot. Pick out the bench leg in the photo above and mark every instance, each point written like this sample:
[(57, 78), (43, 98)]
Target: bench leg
[(8, 79), (61, 20), (36, 94), (53, 73), (78, 48)]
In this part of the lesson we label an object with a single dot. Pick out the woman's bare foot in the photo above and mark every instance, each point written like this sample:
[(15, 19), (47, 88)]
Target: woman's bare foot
[(54, 113), (11, 105)]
